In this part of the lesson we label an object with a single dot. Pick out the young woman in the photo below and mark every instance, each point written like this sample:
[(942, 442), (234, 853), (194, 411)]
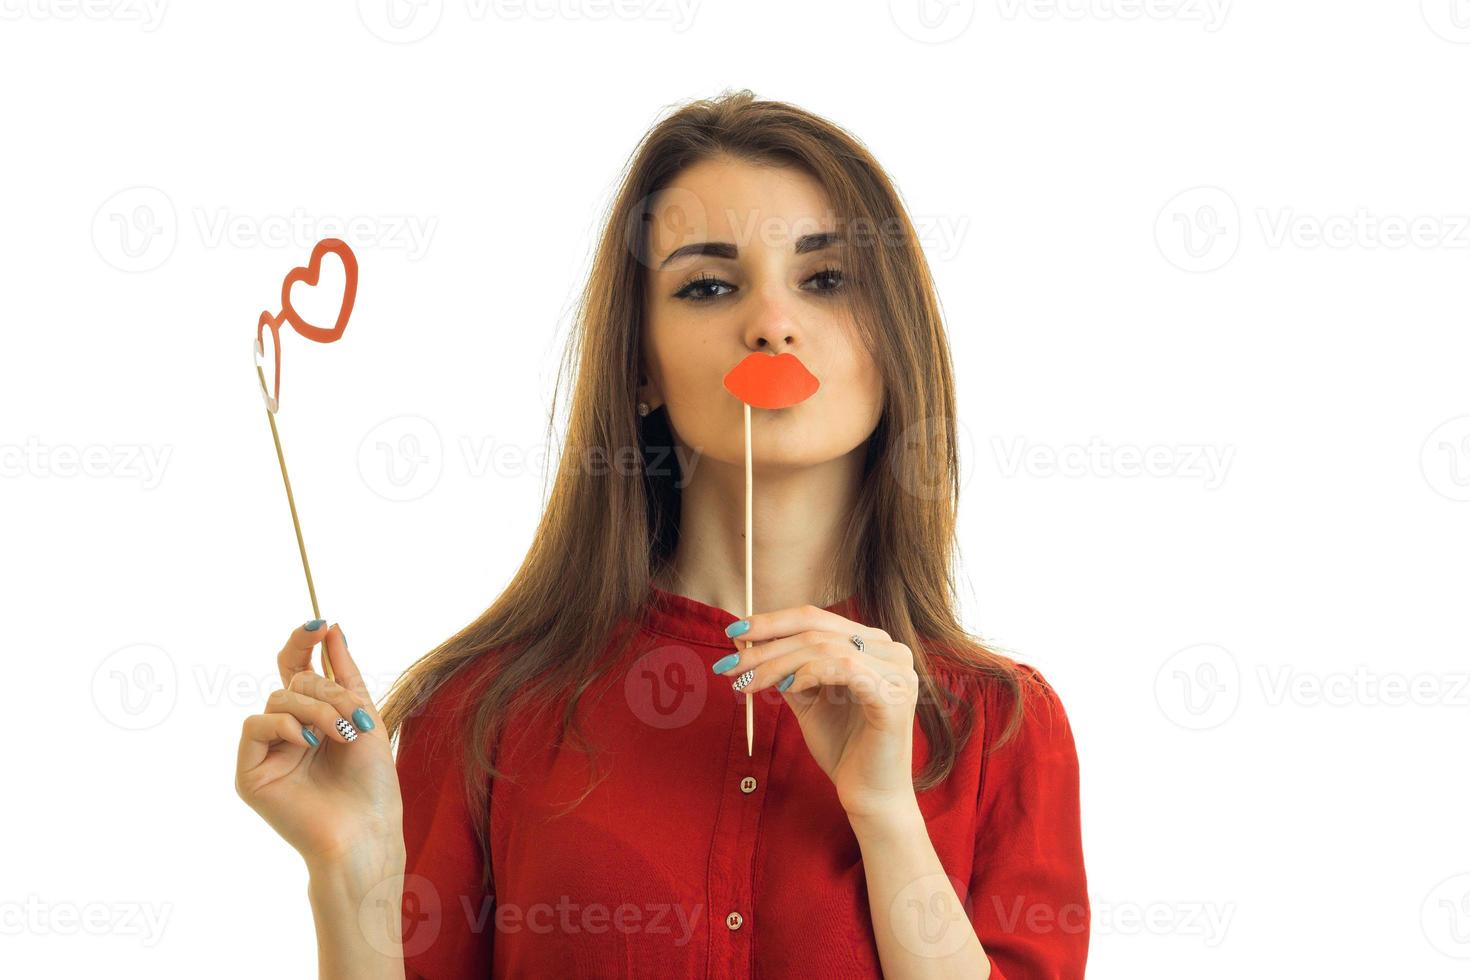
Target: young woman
[(573, 795)]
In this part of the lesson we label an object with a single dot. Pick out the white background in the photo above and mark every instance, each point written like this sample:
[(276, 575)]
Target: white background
[(1231, 237)]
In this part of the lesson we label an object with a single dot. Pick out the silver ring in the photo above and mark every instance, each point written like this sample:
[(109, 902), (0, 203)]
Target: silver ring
[(857, 641)]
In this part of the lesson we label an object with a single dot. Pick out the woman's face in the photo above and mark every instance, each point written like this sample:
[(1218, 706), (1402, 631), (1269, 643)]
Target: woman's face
[(735, 266)]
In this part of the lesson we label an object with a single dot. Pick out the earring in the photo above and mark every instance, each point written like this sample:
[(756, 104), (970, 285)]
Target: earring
[(643, 408)]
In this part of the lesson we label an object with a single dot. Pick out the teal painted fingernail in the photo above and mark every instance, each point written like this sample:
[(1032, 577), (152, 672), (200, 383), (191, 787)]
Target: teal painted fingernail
[(725, 663), (737, 628), (785, 682), (362, 720), (343, 634), (312, 625), (306, 733)]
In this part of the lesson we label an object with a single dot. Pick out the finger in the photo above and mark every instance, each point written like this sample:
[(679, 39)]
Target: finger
[(347, 704), (295, 656), (260, 732), (785, 622), (743, 660), (344, 668), (869, 683), (777, 670), (309, 711), (880, 648)]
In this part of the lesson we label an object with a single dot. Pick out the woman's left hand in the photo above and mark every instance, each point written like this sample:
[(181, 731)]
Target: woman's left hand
[(855, 707)]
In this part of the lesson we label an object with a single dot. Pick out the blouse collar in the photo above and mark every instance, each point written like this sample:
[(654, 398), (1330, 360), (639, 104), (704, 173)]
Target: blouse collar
[(683, 618)]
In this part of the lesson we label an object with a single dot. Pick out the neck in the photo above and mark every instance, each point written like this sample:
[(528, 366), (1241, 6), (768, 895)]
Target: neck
[(799, 515)]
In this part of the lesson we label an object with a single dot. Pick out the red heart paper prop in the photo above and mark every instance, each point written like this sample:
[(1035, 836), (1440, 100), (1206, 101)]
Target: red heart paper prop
[(272, 394), (763, 381), (310, 275)]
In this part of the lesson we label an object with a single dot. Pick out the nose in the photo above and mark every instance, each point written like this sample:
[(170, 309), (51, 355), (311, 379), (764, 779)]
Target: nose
[(772, 326)]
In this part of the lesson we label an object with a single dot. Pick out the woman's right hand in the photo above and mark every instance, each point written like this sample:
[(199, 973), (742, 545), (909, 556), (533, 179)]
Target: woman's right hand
[(335, 801)]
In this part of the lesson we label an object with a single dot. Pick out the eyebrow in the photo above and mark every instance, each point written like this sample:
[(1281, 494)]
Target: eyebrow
[(724, 250)]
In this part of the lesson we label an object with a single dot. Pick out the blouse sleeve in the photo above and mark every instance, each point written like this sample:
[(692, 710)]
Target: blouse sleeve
[(448, 918), (1028, 893)]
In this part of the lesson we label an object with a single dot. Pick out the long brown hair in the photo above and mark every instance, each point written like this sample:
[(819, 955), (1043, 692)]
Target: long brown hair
[(609, 528)]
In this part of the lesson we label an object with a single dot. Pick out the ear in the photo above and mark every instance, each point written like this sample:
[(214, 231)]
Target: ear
[(648, 391)]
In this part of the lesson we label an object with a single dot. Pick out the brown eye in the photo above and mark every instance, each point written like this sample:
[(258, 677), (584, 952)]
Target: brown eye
[(831, 280), (698, 290)]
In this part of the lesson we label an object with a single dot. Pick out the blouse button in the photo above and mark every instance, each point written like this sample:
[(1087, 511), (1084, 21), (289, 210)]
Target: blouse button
[(747, 785), (733, 920)]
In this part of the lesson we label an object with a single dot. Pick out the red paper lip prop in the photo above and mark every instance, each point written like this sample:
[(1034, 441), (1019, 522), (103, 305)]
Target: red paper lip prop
[(763, 381), (311, 275)]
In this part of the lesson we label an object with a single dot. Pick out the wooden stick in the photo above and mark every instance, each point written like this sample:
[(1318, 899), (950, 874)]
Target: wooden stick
[(749, 591), (300, 541)]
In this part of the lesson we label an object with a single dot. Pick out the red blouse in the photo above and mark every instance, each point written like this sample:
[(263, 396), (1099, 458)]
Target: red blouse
[(692, 859)]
